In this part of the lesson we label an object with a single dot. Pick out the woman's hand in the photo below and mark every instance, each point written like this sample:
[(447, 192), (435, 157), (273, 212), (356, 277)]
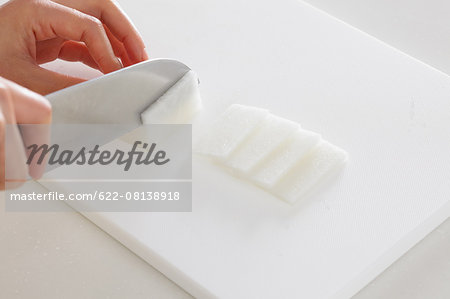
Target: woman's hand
[(94, 32), (19, 105)]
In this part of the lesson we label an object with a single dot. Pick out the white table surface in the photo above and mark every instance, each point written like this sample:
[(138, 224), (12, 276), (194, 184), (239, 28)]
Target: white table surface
[(40, 258), (419, 28)]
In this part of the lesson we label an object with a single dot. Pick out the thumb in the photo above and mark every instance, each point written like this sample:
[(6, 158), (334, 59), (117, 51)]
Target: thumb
[(13, 170)]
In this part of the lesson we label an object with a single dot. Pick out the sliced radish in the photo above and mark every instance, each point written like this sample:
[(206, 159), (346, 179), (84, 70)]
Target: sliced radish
[(178, 105), (234, 126), (309, 171), (272, 152), (273, 131), (285, 157)]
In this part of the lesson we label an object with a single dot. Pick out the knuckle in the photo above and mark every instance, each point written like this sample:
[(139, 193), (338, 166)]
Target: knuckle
[(46, 110), (5, 96), (37, 6), (3, 90), (101, 59), (43, 111), (94, 24), (114, 3), (101, 3), (30, 3)]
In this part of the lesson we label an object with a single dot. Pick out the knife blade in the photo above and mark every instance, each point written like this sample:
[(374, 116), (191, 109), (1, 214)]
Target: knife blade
[(116, 99)]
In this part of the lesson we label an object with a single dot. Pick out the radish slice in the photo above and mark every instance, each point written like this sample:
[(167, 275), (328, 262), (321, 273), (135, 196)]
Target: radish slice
[(273, 131), (269, 151), (178, 105), (323, 160), (285, 157), (235, 125)]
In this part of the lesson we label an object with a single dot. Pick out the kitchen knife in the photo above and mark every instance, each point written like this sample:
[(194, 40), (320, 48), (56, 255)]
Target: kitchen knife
[(116, 99)]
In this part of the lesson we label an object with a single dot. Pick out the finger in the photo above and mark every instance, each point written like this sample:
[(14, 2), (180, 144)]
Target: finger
[(35, 136), (125, 31), (118, 22), (70, 24), (2, 149), (29, 107), (54, 48), (75, 51), (6, 104), (13, 165), (119, 49), (41, 80), (33, 113), (48, 50)]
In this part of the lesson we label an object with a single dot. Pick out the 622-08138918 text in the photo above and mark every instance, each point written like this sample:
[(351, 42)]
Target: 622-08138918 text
[(97, 195)]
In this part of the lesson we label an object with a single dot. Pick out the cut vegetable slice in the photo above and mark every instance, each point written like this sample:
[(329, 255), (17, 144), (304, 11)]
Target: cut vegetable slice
[(315, 166), (178, 105), (273, 131), (231, 129), (272, 152), (285, 158)]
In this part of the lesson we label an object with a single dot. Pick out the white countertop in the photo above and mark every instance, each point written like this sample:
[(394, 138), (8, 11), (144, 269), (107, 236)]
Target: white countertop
[(39, 254), (419, 28)]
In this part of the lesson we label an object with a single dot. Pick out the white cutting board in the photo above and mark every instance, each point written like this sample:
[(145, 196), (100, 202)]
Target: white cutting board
[(389, 111)]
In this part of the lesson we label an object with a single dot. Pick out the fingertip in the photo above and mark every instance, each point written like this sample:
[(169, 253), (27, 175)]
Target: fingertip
[(113, 66), (135, 50), (37, 172), (144, 54)]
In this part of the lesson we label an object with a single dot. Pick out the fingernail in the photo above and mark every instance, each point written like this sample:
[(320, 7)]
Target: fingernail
[(119, 63)]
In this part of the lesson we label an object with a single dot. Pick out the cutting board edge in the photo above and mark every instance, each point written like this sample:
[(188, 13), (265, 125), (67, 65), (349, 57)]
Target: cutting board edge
[(149, 256), (391, 255), (192, 287)]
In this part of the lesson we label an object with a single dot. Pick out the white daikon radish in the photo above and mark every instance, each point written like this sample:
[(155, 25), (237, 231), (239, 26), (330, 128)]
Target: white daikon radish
[(235, 125), (272, 152), (273, 131), (323, 160), (285, 157), (178, 105)]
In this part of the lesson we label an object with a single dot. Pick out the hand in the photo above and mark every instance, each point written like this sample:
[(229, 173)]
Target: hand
[(94, 32), (19, 105)]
